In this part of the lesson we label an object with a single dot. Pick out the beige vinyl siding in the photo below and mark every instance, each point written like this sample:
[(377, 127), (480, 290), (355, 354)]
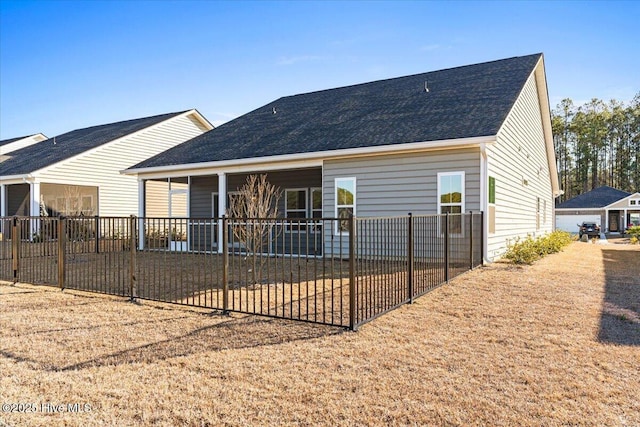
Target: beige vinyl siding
[(156, 199), (518, 161), (101, 167)]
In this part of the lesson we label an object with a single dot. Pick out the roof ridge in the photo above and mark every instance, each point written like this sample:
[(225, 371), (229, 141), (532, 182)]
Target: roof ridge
[(408, 76)]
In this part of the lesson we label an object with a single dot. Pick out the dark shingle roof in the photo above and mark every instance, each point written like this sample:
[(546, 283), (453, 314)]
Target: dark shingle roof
[(462, 102), (596, 198), (46, 153)]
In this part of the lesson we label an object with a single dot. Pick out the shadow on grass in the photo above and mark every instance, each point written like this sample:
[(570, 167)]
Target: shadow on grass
[(227, 334), (620, 319), (247, 332)]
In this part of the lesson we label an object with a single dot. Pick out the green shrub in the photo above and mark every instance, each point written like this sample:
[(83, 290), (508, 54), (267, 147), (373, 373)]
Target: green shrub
[(529, 250), (634, 240), (634, 231)]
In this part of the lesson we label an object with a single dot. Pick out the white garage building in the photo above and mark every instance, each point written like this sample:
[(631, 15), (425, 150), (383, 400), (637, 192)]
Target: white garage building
[(614, 210)]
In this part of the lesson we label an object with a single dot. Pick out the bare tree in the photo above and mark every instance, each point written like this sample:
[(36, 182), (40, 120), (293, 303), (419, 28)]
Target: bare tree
[(253, 211)]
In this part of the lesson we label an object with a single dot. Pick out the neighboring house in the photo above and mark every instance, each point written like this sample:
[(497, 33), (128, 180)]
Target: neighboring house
[(472, 138), (13, 144), (614, 210), (79, 172)]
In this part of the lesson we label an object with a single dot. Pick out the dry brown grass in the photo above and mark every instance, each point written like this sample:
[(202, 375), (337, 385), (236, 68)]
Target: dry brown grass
[(556, 343)]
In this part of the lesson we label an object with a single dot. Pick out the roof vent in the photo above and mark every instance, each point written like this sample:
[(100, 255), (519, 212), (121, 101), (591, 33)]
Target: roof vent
[(274, 110), (426, 86)]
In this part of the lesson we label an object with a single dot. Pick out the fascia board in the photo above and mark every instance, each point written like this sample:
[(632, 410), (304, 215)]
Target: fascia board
[(287, 160), (578, 209)]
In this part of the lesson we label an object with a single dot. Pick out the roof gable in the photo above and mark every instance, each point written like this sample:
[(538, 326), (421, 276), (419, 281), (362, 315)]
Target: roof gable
[(596, 198), (624, 202), (462, 102), (53, 150)]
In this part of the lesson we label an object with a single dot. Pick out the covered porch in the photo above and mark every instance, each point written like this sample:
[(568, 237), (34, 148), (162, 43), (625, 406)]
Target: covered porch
[(183, 213), (623, 214)]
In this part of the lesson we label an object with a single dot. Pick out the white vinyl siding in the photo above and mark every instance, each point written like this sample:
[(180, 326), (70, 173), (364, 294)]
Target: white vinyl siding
[(518, 161), (101, 167)]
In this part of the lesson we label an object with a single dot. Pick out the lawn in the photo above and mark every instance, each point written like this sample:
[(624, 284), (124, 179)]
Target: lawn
[(556, 343)]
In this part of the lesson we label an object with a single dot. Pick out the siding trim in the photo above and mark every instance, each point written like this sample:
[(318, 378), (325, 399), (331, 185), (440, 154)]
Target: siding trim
[(307, 159)]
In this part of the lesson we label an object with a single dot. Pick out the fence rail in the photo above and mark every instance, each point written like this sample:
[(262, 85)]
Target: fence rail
[(294, 269)]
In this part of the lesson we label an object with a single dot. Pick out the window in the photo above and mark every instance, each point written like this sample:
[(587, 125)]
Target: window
[(634, 202), (345, 202), (316, 203), (451, 198), (87, 205), (295, 203)]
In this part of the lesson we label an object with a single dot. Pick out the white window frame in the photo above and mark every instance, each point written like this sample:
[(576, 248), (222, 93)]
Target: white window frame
[(82, 197), (311, 208), (295, 227), (337, 230), (462, 196), (286, 201), (634, 202)]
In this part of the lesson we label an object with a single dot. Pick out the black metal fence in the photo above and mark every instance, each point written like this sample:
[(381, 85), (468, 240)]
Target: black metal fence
[(300, 269)]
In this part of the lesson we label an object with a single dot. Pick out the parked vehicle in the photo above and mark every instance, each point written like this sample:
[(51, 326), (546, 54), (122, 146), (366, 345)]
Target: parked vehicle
[(591, 229)]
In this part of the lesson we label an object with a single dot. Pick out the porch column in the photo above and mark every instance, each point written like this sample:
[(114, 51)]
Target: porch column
[(3, 206), (141, 210), (34, 193), (222, 205), (3, 200), (606, 221)]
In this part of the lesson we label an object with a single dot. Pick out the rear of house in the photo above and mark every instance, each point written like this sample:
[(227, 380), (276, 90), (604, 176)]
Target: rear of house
[(479, 139)]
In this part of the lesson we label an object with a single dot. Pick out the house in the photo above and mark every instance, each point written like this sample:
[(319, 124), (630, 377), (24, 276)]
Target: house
[(79, 172), (614, 210), (471, 138), (13, 144)]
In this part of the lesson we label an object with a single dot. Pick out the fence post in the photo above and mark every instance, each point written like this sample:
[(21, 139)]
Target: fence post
[(471, 240), (97, 234), (446, 248), (352, 273), (410, 257), (225, 266), (132, 257), (62, 245), (15, 248)]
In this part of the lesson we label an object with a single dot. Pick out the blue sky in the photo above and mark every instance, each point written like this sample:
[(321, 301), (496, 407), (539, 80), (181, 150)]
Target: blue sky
[(66, 65)]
